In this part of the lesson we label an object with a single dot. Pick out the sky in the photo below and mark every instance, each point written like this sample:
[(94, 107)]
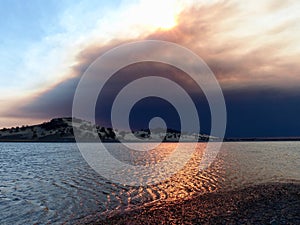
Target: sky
[(252, 47)]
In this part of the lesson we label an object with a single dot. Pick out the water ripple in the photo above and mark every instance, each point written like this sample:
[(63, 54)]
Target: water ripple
[(51, 183)]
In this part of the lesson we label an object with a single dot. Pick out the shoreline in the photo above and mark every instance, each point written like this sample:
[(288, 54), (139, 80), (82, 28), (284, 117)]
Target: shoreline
[(272, 203)]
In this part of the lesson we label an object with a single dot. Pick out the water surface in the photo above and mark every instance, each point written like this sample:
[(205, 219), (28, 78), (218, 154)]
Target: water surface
[(51, 182)]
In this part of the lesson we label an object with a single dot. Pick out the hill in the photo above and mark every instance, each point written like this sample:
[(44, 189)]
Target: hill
[(62, 130)]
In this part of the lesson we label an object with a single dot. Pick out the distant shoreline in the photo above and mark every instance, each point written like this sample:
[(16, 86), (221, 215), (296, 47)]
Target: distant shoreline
[(63, 130), (271, 139), (154, 141)]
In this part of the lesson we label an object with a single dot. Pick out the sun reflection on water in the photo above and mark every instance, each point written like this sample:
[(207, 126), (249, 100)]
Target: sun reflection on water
[(184, 184)]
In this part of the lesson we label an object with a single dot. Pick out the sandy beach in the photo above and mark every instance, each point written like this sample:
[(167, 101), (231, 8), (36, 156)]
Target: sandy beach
[(261, 204)]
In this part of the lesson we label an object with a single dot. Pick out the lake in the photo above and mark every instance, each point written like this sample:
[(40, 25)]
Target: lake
[(51, 182)]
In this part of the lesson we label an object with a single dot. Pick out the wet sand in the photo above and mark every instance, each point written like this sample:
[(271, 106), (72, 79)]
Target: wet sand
[(261, 204)]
